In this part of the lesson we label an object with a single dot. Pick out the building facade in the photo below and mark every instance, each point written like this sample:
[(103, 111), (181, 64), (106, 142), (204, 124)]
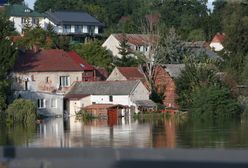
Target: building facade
[(46, 76)]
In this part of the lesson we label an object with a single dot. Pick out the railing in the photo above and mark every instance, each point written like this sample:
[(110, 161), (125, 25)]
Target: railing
[(122, 158)]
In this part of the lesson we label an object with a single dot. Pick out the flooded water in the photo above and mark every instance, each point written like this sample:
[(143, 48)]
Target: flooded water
[(152, 133)]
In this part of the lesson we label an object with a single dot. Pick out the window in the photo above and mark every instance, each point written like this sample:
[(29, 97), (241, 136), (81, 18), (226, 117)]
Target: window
[(53, 103), (26, 85), (25, 20), (41, 103), (111, 98), (77, 29), (64, 81), (85, 29), (35, 21), (47, 79), (67, 29)]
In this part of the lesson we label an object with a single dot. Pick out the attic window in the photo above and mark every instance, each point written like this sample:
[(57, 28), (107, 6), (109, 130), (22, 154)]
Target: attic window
[(82, 65), (27, 11)]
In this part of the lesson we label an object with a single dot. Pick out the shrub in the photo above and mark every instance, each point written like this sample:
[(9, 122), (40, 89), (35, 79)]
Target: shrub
[(21, 111)]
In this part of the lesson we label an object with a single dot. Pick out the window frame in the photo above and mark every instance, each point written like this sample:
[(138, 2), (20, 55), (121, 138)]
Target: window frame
[(41, 103)]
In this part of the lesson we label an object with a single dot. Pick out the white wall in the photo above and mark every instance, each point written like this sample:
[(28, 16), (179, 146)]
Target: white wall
[(117, 99), (112, 44), (217, 46), (76, 105)]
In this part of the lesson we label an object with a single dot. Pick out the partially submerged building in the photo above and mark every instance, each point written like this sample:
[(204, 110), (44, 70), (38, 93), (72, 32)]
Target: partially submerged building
[(45, 76), (116, 93)]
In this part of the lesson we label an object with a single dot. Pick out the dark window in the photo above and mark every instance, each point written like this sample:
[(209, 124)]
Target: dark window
[(111, 98), (26, 85)]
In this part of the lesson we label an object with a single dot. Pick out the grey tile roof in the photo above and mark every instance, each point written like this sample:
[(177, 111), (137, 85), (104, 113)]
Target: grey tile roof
[(174, 70), (104, 88), (145, 103), (21, 11), (72, 17)]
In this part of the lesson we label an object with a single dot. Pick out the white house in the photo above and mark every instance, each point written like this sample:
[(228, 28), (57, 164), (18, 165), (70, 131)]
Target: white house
[(73, 23), (141, 43), (125, 93), (21, 15), (217, 42)]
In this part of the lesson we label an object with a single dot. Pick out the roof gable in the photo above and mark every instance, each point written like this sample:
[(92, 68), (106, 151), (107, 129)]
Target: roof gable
[(104, 88), (218, 38), (51, 60), (72, 17)]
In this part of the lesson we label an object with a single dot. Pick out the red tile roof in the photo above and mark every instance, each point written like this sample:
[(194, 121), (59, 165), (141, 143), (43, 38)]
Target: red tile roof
[(131, 73), (218, 38), (137, 39), (51, 60)]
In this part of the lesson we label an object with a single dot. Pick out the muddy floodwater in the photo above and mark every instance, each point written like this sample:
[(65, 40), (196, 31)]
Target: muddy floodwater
[(127, 132)]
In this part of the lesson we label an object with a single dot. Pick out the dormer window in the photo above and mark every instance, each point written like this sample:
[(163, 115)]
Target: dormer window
[(27, 10)]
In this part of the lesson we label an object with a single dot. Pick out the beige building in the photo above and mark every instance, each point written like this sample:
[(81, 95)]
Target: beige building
[(47, 75)]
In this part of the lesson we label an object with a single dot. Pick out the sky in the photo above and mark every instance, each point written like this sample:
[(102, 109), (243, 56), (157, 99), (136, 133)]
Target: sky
[(31, 3)]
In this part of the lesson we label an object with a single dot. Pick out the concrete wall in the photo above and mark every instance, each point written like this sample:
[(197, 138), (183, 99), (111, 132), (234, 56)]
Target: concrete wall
[(48, 110), (116, 75)]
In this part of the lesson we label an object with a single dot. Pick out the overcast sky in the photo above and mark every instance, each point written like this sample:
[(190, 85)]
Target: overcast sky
[(31, 3)]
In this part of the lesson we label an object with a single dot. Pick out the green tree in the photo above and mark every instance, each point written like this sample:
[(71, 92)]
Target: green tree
[(7, 59), (170, 49), (21, 111), (214, 102), (95, 54)]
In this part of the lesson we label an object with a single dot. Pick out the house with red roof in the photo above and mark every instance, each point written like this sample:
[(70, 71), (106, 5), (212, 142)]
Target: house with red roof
[(45, 76), (217, 42), (138, 43)]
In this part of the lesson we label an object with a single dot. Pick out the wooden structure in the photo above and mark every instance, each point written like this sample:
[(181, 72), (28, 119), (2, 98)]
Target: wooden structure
[(110, 111)]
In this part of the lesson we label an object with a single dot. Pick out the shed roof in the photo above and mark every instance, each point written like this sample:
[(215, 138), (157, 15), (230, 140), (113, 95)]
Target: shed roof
[(22, 10), (72, 17), (104, 87), (104, 106), (51, 60), (218, 38)]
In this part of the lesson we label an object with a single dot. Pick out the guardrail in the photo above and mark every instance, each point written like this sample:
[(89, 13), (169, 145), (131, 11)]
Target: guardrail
[(13, 157)]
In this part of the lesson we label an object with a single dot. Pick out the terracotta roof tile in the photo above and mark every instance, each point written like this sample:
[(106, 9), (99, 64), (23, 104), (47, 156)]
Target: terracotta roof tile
[(50, 61), (218, 38), (131, 73), (137, 39)]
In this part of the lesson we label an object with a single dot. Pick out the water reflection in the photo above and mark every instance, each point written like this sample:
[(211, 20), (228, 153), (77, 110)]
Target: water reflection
[(149, 133)]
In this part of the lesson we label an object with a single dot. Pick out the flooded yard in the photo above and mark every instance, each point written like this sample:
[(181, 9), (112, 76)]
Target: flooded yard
[(128, 132)]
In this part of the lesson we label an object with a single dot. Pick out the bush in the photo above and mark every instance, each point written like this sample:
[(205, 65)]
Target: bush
[(213, 102), (21, 111)]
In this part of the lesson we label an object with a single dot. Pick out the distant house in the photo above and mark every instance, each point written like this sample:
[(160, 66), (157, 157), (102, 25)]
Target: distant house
[(217, 42), (140, 43), (47, 75), (75, 23), (124, 93), (164, 82), (126, 73), (200, 48), (21, 15)]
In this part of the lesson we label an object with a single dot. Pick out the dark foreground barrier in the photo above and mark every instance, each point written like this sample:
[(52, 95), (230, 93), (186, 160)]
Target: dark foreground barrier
[(11, 157)]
